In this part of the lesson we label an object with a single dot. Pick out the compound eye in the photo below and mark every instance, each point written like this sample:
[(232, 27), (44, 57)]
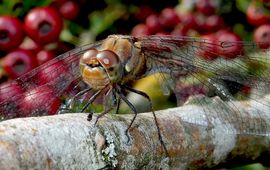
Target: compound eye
[(89, 55), (108, 58)]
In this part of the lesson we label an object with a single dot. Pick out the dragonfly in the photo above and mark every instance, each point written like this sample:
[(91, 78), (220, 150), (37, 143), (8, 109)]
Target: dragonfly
[(107, 67)]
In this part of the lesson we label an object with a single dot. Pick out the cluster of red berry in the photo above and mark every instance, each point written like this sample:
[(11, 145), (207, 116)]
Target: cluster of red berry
[(42, 26), (203, 18), (28, 44)]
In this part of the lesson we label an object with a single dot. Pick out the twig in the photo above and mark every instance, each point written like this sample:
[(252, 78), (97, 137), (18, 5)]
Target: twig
[(195, 138)]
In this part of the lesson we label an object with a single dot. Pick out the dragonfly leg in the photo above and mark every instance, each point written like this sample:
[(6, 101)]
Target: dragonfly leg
[(78, 95), (89, 117), (70, 102), (118, 105), (153, 112), (123, 97), (110, 108), (102, 114), (116, 101)]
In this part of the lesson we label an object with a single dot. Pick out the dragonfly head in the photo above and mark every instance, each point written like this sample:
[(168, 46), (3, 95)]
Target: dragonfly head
[(100, 68)]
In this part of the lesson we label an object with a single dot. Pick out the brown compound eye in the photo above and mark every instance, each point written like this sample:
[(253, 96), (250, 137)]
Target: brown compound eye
[(108, 59), (89, 55)]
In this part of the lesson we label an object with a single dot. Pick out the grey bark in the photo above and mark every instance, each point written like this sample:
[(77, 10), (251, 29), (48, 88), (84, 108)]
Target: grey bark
[(194, 136)]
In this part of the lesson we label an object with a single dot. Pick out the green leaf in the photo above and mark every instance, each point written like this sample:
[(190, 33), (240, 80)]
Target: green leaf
[(242, 5), (239, 29), (102, 20)]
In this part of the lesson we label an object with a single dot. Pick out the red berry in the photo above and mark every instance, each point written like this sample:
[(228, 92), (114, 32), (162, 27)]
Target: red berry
[(188, 20), (262, 36), (180, 30), (69, 10), (52, 72), (140, 30), (39, 101), (19, 62), (43, 56), (162, 33), (229, 45), (213, 23), (144, 12), (169, 18), (206, 7), (11, 33), (59, 2), (208, 49), (153, 24), (200, 22), (43, 25), (257, 15)]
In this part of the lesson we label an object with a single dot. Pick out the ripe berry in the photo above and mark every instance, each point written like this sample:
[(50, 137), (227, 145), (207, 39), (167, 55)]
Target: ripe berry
[(169, 18), (229, 45), (200, 23), (59, 2), (188, 20), (140, 30), (262, 36), (153, 24), (213, 23), (257, 15), (43, 24), (39, 101), (43, 56), (143, 13), (180, 30), (18, 62), (208, 49), (162, 33), (11, 33), (206, 7), (69, 10)]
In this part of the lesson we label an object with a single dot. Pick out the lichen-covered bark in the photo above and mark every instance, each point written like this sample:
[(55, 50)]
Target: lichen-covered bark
[(194, 138)]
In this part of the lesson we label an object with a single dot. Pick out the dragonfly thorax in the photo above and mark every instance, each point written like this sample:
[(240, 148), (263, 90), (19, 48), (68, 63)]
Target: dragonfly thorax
[(100, 68)]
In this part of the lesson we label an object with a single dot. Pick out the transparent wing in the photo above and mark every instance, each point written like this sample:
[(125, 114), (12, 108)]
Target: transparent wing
[(230, 79), (37, 92)]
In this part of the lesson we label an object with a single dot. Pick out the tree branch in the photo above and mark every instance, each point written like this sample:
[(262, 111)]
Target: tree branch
[(195, 138)]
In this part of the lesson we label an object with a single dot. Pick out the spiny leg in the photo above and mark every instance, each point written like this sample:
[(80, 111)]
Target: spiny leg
[(117, 104), (153, 112), (80, 94), (107, 109), (123, 97), (70, 102), (116, 101), (103, 113), (89, 117)]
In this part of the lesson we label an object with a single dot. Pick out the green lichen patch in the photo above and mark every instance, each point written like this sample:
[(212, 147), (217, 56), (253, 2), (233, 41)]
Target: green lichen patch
[(108, 153)]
